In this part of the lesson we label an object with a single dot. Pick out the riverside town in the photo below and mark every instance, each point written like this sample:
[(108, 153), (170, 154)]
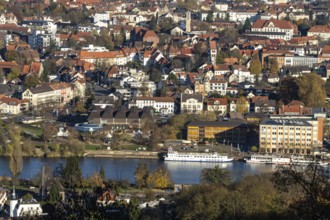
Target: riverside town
[(165, 109)]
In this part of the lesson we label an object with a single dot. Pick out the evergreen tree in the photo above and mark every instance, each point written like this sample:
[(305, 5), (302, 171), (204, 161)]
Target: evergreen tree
[(102, 172), (273, 65), (247, 25), (215, 176), (54, 194), (133, 209), (71, 172)]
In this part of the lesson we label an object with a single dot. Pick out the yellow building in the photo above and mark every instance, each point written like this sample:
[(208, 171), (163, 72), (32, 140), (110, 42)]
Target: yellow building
[(290, 136), (228, 131)]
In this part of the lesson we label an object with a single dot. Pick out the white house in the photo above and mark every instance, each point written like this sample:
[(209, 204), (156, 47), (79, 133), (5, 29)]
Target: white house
[(165, 105), (274, 29), (322, 31), (243, 74), (191, 103), (13, 106), (219, 86)]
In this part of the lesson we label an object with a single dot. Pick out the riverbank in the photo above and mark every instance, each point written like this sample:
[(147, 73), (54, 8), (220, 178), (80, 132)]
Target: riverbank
[(123, 154)]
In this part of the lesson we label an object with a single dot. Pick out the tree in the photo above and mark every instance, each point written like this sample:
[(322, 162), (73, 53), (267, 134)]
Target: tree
[(254, 149), (102, 172), (255, 66), (273, 66), (166, 25), (221, 56), (241, 105), (12, 55), (247, 25), (141, 174), (210, 17), (207, 202), (133, 209), (50, 68), (288, 90), (311, 90), (14, 74), (15, 149), (303, 26), (153, 23), (71, 173), (159, 178), (173, 79), (215, 176), (31, 81), (54, 194), (310, 187)]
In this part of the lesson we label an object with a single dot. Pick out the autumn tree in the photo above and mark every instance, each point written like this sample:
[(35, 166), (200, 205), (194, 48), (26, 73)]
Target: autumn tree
[(311, 90), (141, 174), (14, 74), (159, 178), (241, 105), (255, 66), (215, 176), (15, 149), (12, 55), (31, 81), (273, 66), (221, 56)]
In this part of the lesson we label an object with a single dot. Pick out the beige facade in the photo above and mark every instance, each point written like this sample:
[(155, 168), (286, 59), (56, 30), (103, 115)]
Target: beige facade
[(290, 135)]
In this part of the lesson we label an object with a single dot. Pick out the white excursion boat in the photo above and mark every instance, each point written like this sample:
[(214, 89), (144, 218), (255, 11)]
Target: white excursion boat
[(277, 159), (196, 157), (268, 159)]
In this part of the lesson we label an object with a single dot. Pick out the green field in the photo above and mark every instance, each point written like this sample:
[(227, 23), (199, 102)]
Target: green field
[(35, 131), (93, 147)]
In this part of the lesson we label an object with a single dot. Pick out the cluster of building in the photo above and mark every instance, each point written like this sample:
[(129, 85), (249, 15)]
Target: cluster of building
[(171, 60)]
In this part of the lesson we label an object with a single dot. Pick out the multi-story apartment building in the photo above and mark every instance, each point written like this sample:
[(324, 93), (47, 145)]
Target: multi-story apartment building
[(274, 29), (219, 86), (191, 103), (228, 131), (290, 135), (165, 105), (49, 95)]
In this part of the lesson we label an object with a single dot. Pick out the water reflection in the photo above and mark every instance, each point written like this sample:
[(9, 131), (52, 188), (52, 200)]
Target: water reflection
[(181, 172)]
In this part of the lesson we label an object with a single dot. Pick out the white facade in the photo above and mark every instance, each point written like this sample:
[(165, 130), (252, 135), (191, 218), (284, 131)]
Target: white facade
[(219, 86), (300, 61), (165, 105), (3, 198), (244, 75), (241, 16), (20, 208), (104, 16), (191, 104)]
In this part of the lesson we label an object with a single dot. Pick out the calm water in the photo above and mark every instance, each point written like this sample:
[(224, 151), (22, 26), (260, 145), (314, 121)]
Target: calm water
[(181, 172)]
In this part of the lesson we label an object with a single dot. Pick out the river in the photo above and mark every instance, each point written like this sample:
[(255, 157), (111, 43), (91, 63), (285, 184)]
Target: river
[(181, 172)]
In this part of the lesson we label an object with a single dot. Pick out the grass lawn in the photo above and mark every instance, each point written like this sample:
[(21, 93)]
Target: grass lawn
[(130, 146), (32, 130), (92, 147)]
